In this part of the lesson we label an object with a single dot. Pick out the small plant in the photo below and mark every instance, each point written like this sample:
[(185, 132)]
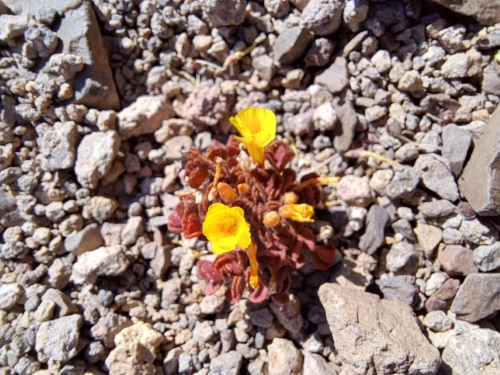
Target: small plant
[(252, 210)]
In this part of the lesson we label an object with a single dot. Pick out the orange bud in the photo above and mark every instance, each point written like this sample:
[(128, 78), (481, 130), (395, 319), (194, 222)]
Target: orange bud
[(226, 192), (290, 198), (244, 189), (271, 219)]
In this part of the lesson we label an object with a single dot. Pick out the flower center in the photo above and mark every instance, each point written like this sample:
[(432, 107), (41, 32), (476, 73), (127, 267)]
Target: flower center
[(229, 226)]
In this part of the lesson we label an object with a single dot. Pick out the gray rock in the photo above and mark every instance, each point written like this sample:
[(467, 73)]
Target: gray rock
[(491, 80), (355, 13), (478, 297), (9, 213), (322, 17), (479, 232), (374, 235), (457, 261), (438, 321), (161, 261), (12, 26), (6, 156), (144, 116), (64, 305), (284, 358), (320, 52), (403, 183), (335, 78), (403, 227), (9, 295), (484, 11), (58, 339), (482, 167), (344, 134), (277, 8), (456, 66), (288, 315), (261, 318), (437, 176), (59, 272), (487, 258), (317, 364), (355, 191), (95, 156), (79, 33), (108, 326), (41, 40), (399, 288), (104, 261), (437, 208), (291, 45), (264, 65), (411, 82), (473, 352), (224, 12), (451, 38), (376, 335), (352, 273), (212, 304), (456, 143), (227, 363), (403, 258), (89, 238)]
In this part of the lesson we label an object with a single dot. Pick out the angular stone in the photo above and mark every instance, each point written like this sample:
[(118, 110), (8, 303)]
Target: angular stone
[(95, 156), (57, 146), (403, 258), (89, 238), (442, 298), (104, 261), (437, 208), (9, 295), (399, 288), (322, 17), (457, 260), (288, 315), (317, 364), (487, 257), (335, 78), (344, 134), (206, 105), (284, 358), (437, 176), (58, 339), (478, 297), (483, 166), (224, 12), (144, 116), (456, 143), (484, 11), (373, 237), (291, 45), (227, 363), (473, 352), (79, 35), (373, 335)]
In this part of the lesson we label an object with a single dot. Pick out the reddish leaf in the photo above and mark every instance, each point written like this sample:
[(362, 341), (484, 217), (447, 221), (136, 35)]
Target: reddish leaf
[(192, 226), (207, 271), (235, 292), (279, 154), (259, 295), (175, 223), (324, 257), (283, 281), (281, 298)]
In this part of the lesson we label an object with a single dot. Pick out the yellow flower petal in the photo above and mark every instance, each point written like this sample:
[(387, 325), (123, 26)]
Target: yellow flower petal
[(225, 227), (297, 212), (257, 127)]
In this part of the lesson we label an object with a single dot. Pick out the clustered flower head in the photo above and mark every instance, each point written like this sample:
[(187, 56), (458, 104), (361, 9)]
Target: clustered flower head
[(252, 211)]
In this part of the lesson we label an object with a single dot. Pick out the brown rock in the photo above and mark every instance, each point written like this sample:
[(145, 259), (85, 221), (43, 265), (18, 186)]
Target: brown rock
[(292, 44), (485, 11), (457, 260), (478, 297), (482, 167), (442, 298), (335, 78), (376, 336)]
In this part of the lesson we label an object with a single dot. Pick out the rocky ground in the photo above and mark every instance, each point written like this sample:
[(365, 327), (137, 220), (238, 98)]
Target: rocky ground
[(100, 102)]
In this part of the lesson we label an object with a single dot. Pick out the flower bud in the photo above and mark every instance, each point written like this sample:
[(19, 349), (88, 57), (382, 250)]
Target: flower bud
[(271, 219), (226, 192), (290, 198)]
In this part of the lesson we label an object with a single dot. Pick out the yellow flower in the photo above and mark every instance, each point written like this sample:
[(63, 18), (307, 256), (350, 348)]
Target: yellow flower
[(297, 212), (225, 227), (257, 127)]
